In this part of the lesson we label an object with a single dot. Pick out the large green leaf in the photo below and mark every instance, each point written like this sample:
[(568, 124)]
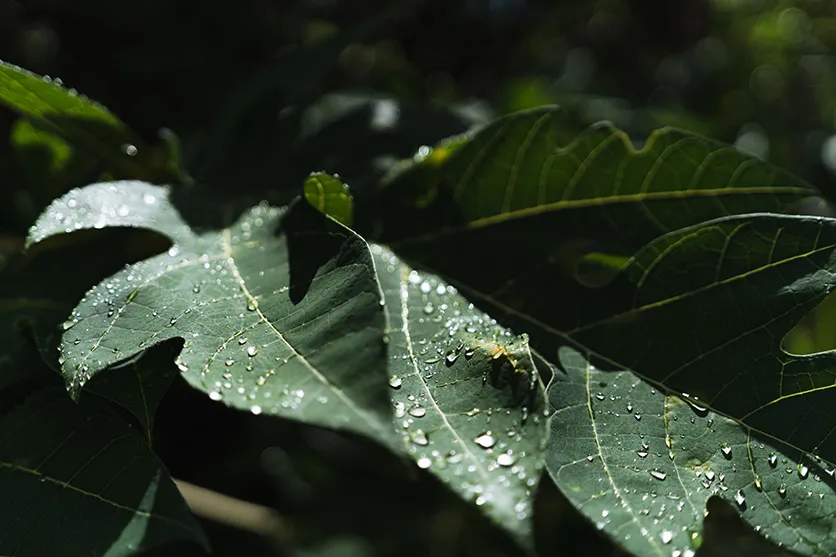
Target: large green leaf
[(704, 311), (81, 122), (467, 395), (78, 481), (535, 191), (280, 314), (642, 464)]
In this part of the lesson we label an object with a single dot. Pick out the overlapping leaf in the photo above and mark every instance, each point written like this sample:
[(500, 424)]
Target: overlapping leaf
[(642, 464), (535, 191), (76, 481), (280, 313), (467, 395)]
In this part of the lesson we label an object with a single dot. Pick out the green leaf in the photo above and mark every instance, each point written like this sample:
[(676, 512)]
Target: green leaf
[(704, 311), (280, 314), (538, 175), (467, 395), (77, 481), (139, 384), (329, 196), (642, 464), (33, 309), (78, 120)]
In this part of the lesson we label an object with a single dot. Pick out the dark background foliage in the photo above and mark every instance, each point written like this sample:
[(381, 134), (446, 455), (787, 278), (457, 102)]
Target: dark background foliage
[(756, 73)]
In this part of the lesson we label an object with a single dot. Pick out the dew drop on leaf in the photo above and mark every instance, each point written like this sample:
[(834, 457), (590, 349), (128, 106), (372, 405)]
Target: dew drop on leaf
[(252, 351), (505, 459), (739, 498), (417, 412), (424, 462), (419, 437), (803, 471), (255, 409), (229, 363), (666, 536), (726, 449), (486, 440), (658, 474), (215, 395), (772, 459), (395, 382)]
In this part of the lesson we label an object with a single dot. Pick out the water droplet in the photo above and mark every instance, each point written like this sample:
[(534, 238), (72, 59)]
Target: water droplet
[(726, 450), (505, 459), (130, 150), (486, 440), (739, 498), (772, 459), (803, 471), (666, 536), (417, 412), (657, 474), (252, 305), (149, 199), (709, 474), (255, 409), (229, 363), (252, 350), (424, 463), (638, 417), (172, 321), (400, 410), (242, 340), (429, 309), (782, 490), (758, 484), (451, 357), (600, 396), (395, 382), (215, 395), (196, 288), (641, 454), (629, 407), (419, 437), (590, 458)]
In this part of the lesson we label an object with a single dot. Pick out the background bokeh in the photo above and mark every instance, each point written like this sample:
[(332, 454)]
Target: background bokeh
[(253, 117)]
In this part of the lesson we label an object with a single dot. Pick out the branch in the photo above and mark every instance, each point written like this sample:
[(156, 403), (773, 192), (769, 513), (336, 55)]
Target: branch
[(236, 513)]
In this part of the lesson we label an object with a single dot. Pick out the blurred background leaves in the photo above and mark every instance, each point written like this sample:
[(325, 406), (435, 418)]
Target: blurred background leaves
[(242, 101)]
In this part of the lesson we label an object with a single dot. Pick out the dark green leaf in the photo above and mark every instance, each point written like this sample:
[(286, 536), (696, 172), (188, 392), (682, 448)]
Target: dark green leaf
[(534, 191), (642, 464), (329, 196), (467, 396), (77, 481), (81, 122), (280, 313)]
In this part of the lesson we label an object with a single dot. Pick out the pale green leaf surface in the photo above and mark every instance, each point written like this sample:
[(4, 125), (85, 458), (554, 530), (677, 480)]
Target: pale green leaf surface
[(330, 197), (467, 396), (642, 464), (77, 481), (280, 314)]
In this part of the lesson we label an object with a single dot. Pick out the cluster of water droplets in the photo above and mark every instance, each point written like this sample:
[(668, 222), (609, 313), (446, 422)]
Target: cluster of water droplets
[(490, 451), (677, 469)]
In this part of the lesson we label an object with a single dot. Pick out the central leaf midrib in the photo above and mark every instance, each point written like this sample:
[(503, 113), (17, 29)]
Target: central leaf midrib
[(404, 284)]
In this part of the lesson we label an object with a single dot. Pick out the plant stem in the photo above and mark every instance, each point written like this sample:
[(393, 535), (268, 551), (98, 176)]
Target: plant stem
[(244, 515)]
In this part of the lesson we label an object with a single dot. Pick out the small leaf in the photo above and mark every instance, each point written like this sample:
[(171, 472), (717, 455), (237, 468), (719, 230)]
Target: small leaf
[(646, 481), (77, 481), (467, 396), (329, 196), (281, 313)]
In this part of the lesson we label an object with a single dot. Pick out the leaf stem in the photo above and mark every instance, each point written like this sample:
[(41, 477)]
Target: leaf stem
[(237, 513)]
